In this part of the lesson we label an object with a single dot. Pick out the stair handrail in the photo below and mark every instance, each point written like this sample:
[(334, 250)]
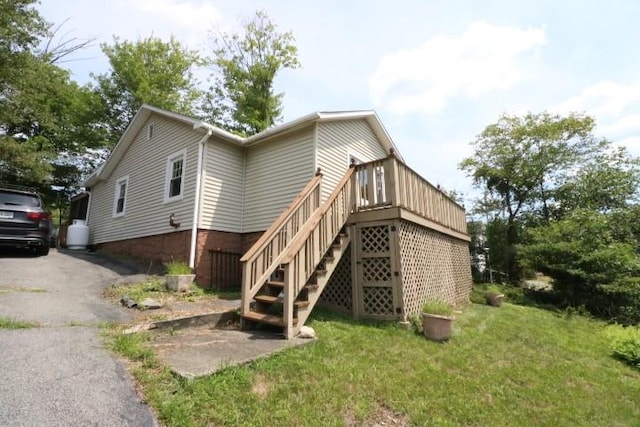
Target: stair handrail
[(262, 259), (306, 250), (284, 216), (296, 243)]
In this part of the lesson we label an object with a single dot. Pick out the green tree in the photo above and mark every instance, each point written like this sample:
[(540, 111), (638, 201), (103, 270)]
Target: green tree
[(21, 29), (243, 99), (608, 181), (523, 161), (148, 71), (50, 128), (593, 259)]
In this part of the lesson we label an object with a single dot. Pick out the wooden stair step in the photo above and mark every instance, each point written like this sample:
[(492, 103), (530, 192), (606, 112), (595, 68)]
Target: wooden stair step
[(311, 287), (275, 283), (270, 299), (269, 319)]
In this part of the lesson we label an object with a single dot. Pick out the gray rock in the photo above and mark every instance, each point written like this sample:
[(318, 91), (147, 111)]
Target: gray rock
[(128, 302), (149, 304)]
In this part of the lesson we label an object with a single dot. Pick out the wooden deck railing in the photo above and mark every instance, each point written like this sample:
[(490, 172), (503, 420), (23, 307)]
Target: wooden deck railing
[(261, 260), (389, 182)]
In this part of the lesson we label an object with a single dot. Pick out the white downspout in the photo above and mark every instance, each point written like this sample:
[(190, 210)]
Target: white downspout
[(88, 208), (196, 204)]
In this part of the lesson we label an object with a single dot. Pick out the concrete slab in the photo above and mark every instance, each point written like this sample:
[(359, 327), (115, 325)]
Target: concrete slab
[(197, 352)]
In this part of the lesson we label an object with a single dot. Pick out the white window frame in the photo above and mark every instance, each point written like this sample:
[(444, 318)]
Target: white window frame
[(179, 155), (116, 196), (356, 156), (150, 131)]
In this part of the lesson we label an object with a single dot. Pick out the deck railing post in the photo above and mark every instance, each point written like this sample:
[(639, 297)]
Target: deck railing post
[(287, 302), (391, 181), (246, 286)]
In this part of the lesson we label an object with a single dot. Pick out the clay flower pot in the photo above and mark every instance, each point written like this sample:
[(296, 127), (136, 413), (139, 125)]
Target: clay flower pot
[(179, 282), (437, 327), (493, 299)]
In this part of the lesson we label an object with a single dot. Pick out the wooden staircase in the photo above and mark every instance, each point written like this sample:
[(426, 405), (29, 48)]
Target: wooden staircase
[(285, 272)]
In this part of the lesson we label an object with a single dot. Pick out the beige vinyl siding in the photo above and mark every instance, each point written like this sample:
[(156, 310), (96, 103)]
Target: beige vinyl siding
[(223, 181), (145, 163), (336, 141), (276, 171)]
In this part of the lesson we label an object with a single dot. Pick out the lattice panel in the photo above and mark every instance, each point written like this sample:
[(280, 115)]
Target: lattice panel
[(376, 269), (434, 266), (378, 301), (374, 239), (337, 293)]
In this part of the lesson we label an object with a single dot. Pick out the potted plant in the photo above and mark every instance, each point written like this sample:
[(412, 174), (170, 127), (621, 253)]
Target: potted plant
[(179, 276), (494, 296), (437, 320)]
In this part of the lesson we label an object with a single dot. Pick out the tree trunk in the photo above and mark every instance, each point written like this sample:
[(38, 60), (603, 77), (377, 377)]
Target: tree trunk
[(511, 261)]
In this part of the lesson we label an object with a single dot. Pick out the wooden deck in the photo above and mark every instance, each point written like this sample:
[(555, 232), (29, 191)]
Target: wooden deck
[(294, 260)]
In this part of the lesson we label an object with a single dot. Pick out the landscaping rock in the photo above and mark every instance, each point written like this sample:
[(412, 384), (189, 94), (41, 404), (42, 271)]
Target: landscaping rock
[(307, 332), (149, 304), (128, 302)]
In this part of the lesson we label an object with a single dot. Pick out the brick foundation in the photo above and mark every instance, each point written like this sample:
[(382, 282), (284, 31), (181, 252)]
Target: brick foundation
[(248, 239), (161, 247), (175, 246), (220, 241)]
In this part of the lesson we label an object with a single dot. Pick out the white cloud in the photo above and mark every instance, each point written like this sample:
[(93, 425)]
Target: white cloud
[(484, 58), (603, 99), (622, 126), (615, 108)]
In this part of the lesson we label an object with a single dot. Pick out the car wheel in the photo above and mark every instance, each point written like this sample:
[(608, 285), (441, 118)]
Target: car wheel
[(42, 250)]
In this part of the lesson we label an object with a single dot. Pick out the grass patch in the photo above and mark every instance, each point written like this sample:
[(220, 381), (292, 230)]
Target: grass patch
[(507, 366), (8, 289), (155, 288), (7, 323)]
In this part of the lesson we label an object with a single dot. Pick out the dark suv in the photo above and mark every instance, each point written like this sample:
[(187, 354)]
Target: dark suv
[(24, 223)]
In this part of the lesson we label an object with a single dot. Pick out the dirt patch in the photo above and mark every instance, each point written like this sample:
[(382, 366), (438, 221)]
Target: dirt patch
[(172, 309), (174, 305), (260, 386), (381, 417)]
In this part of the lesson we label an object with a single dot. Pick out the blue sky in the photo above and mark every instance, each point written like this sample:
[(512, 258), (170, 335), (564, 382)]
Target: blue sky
[(436, 72)]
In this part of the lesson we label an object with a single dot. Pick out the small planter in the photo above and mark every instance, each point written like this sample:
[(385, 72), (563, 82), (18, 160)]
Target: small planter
[(179, 282), (494, 300), (437, 327)]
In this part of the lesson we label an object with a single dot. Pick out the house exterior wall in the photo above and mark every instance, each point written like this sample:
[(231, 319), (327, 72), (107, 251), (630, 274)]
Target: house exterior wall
[(222, 187), (275, 172), (145, 163), (336, 141)]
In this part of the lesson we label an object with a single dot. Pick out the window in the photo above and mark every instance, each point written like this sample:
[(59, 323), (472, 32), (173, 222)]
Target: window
[(175, 176), (120, 197), (150, 131)]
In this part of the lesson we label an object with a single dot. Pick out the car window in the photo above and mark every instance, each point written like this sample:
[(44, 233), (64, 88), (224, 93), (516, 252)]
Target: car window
[(19, 199)]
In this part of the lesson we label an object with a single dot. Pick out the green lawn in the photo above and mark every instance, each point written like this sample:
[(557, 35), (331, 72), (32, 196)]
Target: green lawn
[(510, 366)]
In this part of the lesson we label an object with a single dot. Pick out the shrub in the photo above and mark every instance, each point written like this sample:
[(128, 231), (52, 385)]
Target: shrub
[(177, 268), (588, 265), (625, 343), (437, 307), (621, 300)]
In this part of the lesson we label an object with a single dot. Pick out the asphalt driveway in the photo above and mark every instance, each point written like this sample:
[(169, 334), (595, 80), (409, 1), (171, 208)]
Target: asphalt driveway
[(59, 374)]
